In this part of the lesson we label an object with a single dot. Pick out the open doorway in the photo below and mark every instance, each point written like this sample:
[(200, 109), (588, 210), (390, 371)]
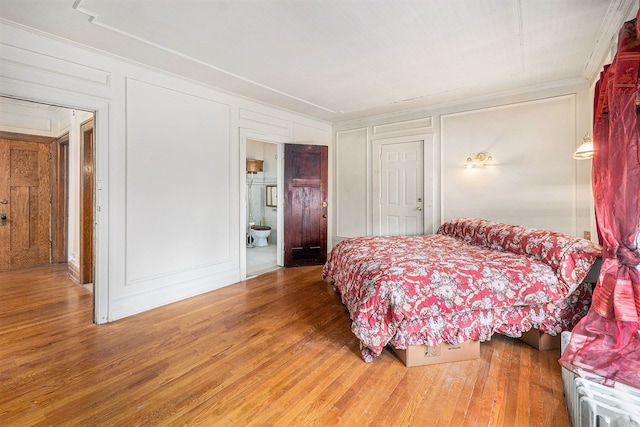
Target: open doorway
[(262, 231), (59, 133)]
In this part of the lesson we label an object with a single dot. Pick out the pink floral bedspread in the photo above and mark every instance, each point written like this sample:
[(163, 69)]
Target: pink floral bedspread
[(409, 290)]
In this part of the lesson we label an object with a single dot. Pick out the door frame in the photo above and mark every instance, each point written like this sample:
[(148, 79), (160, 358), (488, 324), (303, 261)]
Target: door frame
[(431, 194), (267, 138), (87, 203), (59, 199), (100, 108)]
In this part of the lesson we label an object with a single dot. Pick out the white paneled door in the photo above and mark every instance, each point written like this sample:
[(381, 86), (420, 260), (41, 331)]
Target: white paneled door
[(401, 193)]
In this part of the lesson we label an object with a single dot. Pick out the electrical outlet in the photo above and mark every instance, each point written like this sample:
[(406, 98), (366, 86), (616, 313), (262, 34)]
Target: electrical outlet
[(587, 235)]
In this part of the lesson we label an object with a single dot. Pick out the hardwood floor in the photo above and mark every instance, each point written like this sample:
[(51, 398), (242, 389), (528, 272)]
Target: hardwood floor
[(274, 350)]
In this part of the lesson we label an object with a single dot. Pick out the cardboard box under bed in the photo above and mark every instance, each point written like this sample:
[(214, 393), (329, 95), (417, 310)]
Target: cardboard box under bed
[(420, 355), (540, 340)]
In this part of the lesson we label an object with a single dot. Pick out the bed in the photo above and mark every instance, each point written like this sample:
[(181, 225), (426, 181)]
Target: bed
[(471, 279)]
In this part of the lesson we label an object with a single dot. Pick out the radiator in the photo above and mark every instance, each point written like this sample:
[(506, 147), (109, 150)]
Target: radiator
[(593, 405)]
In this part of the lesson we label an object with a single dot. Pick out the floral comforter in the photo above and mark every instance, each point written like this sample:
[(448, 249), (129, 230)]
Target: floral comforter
[(409, 290)]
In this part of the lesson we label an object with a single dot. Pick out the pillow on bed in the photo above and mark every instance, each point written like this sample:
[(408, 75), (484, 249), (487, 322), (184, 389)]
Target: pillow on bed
[(570, 257)]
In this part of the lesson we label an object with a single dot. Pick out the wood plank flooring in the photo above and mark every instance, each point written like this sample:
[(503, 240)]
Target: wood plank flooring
[(275, 350)]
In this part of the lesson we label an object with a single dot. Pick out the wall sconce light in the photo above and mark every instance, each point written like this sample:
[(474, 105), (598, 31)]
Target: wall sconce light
[(254, 166), (585, 150), (476, 160)]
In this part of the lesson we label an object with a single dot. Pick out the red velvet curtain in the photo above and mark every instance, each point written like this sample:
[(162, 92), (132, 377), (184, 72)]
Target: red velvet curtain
[(605, 344)]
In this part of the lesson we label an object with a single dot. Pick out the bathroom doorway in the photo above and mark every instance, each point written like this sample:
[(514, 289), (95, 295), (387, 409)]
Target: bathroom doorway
[(262, 203)]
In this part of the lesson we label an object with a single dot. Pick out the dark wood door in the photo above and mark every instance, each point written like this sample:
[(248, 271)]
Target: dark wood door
[(59, 198), (305, 207), (24, 203), (87, 184)]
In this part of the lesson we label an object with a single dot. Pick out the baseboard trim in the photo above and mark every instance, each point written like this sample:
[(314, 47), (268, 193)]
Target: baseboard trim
[(74, 273)]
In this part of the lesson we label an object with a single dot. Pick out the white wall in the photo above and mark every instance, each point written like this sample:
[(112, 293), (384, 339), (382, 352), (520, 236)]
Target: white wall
[(169, 167), (351, 163), (534, 183), (530, 135), (75, 118)]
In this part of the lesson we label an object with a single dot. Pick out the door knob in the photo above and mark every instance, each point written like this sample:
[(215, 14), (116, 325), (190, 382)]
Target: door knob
[(3, 219), (3, 201), (419, 208)]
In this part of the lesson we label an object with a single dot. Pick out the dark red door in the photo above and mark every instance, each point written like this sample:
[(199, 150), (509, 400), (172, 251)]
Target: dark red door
[(305, 204)]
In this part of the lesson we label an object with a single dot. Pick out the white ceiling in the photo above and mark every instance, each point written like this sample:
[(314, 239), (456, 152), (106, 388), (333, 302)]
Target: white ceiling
[(342, 59)]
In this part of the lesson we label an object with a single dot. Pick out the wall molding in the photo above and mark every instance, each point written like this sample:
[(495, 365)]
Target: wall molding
[(416, 126), (26, 137), (273, 124), (23, 65), (26, 122)]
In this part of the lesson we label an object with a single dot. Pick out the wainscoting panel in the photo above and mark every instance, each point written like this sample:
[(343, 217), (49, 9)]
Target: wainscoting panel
[(351, 175), (178, 187)]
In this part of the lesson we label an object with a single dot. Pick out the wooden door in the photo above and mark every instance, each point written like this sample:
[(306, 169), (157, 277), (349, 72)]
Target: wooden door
[(87, 184), (401, 188), (24, 202), (305, 204)]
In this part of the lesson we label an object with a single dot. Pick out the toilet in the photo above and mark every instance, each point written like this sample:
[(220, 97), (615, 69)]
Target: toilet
[(260, 234)]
